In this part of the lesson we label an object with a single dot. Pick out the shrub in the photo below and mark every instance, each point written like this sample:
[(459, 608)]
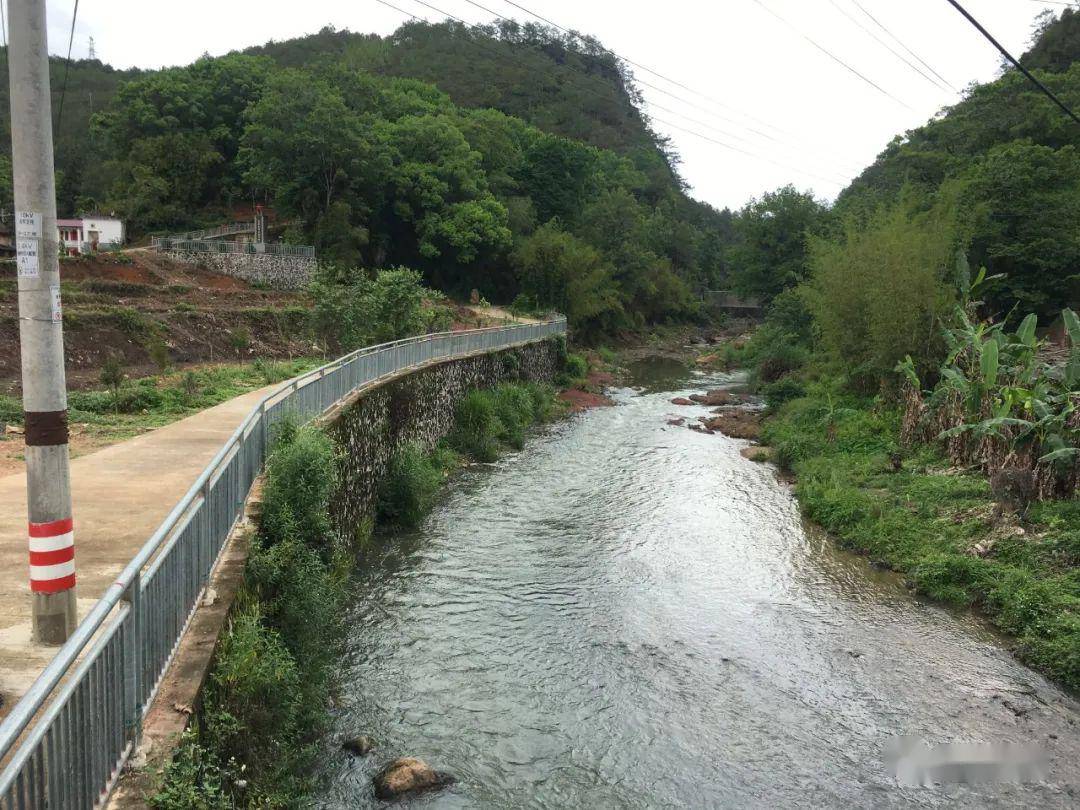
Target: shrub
[(112, 376), (239, 341), (476, 427), (574, 371), (194, 778), (301, 476), (255, 695), (783, 390), (515, 411), (880, 291), (132, 322), (408, 489), (159, 355)]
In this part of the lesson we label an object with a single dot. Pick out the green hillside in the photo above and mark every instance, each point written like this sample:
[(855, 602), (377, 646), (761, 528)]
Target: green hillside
[(511, 160), (1011, 155)]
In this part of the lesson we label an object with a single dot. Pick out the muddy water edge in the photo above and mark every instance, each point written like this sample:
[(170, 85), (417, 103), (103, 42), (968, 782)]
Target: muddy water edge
[(630, 614)]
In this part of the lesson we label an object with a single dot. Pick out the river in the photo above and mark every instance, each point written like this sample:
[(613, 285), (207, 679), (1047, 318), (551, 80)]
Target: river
[(628, 614)]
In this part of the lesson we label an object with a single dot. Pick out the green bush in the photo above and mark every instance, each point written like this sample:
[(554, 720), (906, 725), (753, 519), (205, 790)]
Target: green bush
[(515, 411), (409, 487), (476, 427), (194, 778), (574, 370), (256, 712), (783, 390), (301, 477)]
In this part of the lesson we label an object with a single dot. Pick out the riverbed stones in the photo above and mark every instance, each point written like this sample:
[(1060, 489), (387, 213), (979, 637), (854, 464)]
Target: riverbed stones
[(719, 396), (737, 424), (359, 746), (408, 775), (681, 401)]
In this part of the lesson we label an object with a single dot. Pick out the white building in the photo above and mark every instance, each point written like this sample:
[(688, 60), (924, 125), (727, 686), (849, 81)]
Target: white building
[(91, 233)]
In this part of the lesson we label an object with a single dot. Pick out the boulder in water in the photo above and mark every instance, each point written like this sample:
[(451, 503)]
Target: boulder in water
[(360, 746), (408, 775), (681, 401)]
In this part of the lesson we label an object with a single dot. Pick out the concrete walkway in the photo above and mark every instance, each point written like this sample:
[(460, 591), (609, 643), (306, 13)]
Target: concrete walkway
[(121, 494)]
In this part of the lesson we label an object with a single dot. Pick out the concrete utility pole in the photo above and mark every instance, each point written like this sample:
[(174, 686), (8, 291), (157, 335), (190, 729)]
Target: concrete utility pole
[(48, 477)]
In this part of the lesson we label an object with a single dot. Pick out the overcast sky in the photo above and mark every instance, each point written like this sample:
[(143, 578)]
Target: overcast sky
[(755, 82)]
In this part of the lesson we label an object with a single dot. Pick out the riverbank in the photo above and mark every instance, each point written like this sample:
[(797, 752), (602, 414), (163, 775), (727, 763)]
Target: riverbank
[(630, 614), (382, 457), (944, 528)]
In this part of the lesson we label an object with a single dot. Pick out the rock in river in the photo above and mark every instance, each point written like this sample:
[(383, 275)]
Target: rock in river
[(408, 775), (681, 401), (360, 746), (716, 397)]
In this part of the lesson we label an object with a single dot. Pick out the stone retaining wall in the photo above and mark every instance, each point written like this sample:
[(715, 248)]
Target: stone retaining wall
[(416, 408), (267, 269)]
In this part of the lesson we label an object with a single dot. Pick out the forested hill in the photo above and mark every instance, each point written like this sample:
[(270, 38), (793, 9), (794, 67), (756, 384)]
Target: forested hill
[(566, 85), (511, 160), (1010, 157)]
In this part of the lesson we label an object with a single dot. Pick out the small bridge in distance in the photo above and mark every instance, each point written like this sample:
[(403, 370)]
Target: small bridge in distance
[(730, 301)]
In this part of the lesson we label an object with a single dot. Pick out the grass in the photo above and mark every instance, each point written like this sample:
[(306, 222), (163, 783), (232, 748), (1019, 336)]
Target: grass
[(925, 519), (151, 402)]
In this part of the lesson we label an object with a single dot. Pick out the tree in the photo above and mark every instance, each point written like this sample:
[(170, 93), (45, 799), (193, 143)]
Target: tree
[(1027, 199), (879, 291), (558, 271), (770, 252)]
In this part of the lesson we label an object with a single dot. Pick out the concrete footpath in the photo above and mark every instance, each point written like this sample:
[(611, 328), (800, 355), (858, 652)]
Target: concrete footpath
[(121, 494)]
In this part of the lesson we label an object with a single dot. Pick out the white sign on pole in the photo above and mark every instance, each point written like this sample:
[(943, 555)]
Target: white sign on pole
[(27, 257), (57, 311), (27, 225)]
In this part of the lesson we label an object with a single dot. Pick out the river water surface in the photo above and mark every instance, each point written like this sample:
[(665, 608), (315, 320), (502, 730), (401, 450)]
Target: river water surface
[(628, 614)]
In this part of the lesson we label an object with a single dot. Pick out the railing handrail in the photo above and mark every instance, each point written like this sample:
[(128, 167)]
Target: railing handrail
[(67, 656), (210, 246)]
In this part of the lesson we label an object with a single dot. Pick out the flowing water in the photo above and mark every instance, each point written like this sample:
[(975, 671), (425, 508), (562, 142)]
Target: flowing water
[(630, 614)]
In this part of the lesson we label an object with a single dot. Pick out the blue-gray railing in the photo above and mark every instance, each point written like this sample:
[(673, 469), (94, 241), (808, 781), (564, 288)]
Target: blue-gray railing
[(65, 741), (212, 246)]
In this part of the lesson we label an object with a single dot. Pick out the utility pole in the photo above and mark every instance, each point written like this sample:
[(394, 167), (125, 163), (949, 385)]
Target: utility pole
[(48, 477)]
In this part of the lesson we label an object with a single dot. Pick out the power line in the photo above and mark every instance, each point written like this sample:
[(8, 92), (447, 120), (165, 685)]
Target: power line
[(665, 109), (889, 48), (899, 42), (593, 92), (67, 70), (833, 56), (637, 80), (1046, 90), (838, 162), (638, 65), (831, 181)]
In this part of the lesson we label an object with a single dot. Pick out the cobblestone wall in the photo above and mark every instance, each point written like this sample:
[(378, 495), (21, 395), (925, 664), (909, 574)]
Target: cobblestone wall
[(277, 272), (416, 408)]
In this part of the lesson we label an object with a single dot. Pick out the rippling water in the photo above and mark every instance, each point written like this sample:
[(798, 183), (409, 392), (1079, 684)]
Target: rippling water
[(629, 614)]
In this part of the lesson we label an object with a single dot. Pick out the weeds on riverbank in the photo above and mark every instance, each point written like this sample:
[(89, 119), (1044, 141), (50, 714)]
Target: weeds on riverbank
[(485, 422), (265, 705), (940, 525), (411, 484)]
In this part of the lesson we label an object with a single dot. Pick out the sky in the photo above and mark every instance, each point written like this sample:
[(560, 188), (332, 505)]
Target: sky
[(749, 96)]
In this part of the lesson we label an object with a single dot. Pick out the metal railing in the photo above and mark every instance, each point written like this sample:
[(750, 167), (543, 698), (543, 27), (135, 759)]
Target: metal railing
[(729, 300), (247, 226), (66, 740), (210, 246)]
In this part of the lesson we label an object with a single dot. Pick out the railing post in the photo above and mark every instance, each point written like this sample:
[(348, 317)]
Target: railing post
[(133, 663)]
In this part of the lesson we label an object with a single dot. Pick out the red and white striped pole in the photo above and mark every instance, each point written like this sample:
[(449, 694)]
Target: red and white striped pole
[(41, 337), (52, 556)]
